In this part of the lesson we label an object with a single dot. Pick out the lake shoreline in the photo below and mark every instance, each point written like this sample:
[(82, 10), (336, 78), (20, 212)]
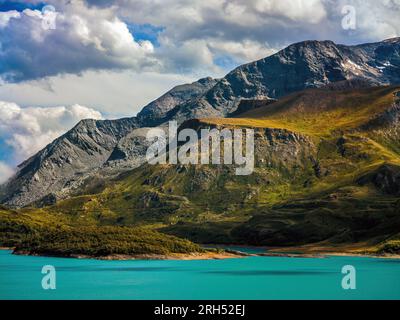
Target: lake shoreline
[(357, 250), (292, 252), (322, 255), (148, 256), (310, 251)]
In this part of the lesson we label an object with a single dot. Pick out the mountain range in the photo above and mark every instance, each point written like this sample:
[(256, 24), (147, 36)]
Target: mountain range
[(63, 165), (327, 123)]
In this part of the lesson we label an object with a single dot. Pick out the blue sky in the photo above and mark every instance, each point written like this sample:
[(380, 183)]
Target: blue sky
[(19, 6), (146, 32), (6, 151), (109, 58)]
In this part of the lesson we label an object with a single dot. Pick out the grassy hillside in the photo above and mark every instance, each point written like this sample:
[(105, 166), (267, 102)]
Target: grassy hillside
[(104, 241), (318, 112), (327, 170), (39, 232)]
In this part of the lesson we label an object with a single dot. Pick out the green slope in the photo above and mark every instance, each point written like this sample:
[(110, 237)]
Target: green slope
[(39, 232)]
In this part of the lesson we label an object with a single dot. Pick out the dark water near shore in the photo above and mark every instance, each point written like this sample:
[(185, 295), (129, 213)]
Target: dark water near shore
[(242, 278)]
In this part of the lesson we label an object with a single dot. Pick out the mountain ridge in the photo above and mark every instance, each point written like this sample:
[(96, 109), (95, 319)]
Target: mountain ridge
[(302, 65), (285, 72)]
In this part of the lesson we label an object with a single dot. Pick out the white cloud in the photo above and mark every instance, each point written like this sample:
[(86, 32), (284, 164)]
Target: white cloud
[(312, 11), (81, 39), (376, 20), (27, 130), (94, 35), (114, 94), (186, 57), (5, 172), (276, 22), (5, 17), (247, 50)]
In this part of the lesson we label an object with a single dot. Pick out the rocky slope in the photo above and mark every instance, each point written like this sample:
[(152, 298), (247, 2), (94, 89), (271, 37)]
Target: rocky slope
[(85, 147), (110, 147), (158, 109)]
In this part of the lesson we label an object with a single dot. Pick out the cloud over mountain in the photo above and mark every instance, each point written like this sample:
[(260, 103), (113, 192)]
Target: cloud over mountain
[(27, 130)]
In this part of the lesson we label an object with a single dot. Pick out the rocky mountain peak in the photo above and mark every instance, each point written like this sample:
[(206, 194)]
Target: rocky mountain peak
[(158, 109)]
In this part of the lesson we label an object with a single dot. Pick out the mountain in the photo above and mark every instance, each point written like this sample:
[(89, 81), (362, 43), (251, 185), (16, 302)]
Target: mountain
[(89, 151), (103, 149), (66, 160), (302, 65), (327, 174)]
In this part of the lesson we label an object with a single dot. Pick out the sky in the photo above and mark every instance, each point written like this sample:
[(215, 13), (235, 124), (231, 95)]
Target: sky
[(65, 60)]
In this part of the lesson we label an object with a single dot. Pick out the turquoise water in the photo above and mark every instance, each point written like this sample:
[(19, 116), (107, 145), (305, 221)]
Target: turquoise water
[(245, 278)]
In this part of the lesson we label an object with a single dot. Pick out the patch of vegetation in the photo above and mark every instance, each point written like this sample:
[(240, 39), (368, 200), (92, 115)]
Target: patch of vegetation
[(389, 247), (348, 215), (16, 226), (40, 232), (104, 241), (206, 233)]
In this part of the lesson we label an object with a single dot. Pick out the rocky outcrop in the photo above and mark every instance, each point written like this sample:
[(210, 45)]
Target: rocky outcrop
[(130, 151)]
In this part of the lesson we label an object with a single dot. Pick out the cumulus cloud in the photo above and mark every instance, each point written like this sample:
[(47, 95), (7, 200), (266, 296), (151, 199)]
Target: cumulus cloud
[(5, 172), (113, 93), (5, 17), (93, 35), (251, 29), (97, 43), (312, 11), (246, 50), (376, 20), (79, 39), (27, 130)]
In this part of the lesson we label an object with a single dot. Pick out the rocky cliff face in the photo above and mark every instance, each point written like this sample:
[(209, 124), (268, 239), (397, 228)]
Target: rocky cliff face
[(158, 109), (118, 145), (130, 151)]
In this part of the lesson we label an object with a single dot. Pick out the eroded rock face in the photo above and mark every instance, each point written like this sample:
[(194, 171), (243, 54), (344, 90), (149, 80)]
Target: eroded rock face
[(130, 151), (72, 156)]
